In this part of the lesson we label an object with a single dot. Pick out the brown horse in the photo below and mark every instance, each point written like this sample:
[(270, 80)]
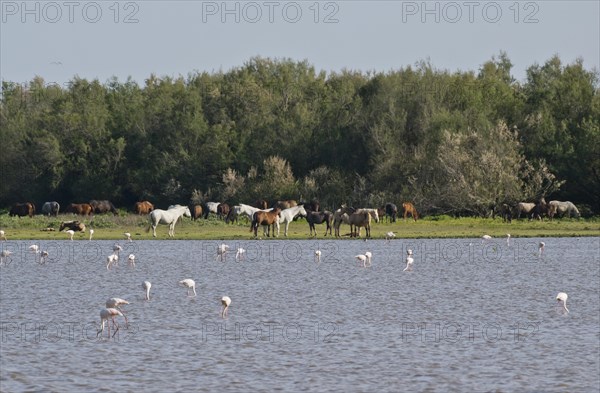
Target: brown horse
[(261, 204), (285, 204), (409, 208), (223, 210), (22, 209), (265, 218), (196, 211), (82, 209), (143, 208)]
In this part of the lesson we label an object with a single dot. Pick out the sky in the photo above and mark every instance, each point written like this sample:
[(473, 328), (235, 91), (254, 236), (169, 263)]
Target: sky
[(59, 40)]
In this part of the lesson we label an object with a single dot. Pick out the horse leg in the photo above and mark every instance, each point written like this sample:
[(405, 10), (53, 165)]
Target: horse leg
[(153, 230)]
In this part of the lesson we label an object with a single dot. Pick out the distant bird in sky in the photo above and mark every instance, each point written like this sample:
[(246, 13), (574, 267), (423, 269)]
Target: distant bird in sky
[(58, 63), (190, 285)]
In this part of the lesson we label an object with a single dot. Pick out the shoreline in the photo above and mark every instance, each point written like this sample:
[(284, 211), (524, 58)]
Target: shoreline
[(114, 227)]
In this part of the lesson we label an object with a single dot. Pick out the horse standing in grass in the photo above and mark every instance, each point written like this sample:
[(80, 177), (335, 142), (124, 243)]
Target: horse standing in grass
[(319, 218), (357, 220), (169, 217), (341, 216), (286, 216), (391, 210), (265, 218), (409, 208), (563, 208)]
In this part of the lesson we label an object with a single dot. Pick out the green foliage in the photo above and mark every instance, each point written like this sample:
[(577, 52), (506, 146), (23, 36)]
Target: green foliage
[(273, 129)]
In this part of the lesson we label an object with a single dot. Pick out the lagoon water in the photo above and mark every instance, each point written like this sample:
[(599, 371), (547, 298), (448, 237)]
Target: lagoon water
[(471, 316)]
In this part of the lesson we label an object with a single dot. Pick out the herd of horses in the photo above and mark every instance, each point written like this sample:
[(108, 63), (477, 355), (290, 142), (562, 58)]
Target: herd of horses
[(284, 212), (538, 210)]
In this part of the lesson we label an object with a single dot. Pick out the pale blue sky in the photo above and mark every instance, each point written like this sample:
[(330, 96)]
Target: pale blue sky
[(177, 37)]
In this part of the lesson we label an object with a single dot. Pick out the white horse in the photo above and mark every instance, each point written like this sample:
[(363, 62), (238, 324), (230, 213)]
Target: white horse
[(170, 217), (563, 208), (212, 207), (287, 215), (373, 212)]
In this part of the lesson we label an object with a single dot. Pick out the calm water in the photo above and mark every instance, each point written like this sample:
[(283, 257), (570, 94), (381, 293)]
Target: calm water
[(469, 317)]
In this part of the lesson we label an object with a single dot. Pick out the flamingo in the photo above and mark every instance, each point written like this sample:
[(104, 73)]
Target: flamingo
[(71, 233), (146, 285), (364, 258), (508, 239), (131, 260), (225, 301), (34, 248), (115, 302), (409, 262), (389, 235), (91, 233), (239, 255), (222, 251), (2, 235), (485, 238), (562, 298), (189, 284), (5, 256), (43, 257), (368, 255), (128, 236), (541, 248), (117, 248), (409, 252), (317, 255), (105, 315), (112, 259)]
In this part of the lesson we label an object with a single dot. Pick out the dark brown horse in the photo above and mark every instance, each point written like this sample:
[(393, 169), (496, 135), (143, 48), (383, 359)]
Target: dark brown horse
[(103, 206), (319, 218), (409, 208), (22, 209), (391, 210), (265, 218), (223, 210), (261, 204)]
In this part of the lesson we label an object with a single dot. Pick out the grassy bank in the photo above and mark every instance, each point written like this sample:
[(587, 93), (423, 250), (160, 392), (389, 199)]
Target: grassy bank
[(112, 227)]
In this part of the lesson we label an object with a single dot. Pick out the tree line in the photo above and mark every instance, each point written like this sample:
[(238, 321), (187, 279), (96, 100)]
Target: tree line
[(451, 142)]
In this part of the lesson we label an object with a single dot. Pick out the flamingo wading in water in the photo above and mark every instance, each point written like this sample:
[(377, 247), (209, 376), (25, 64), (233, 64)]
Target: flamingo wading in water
[(225, 301), (562, 299), (146, 285), (189, 284)]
